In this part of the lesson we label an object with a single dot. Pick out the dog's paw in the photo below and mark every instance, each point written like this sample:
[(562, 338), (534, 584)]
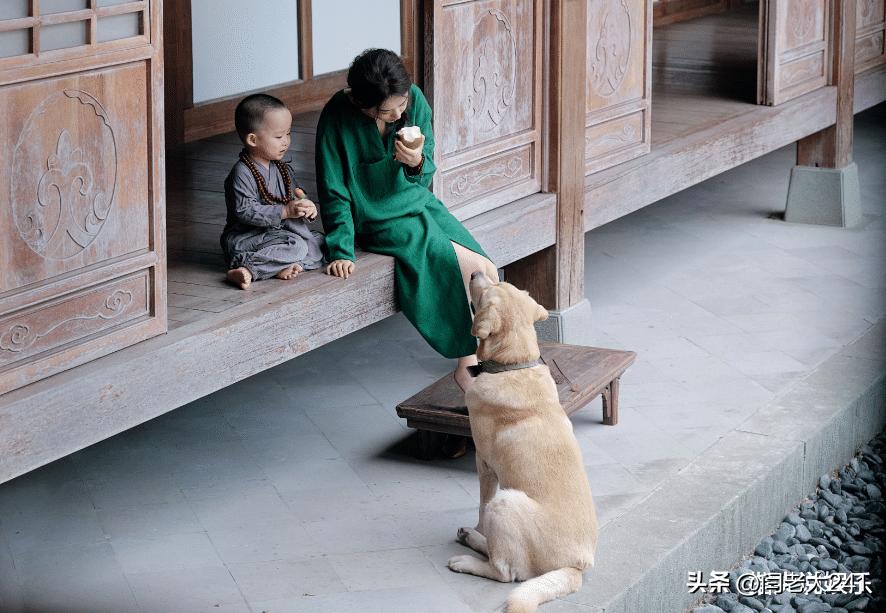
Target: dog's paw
[(460, 564), (462, 535)]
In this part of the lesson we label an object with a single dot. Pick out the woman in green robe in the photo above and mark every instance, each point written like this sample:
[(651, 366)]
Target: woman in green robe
[(375, 191)]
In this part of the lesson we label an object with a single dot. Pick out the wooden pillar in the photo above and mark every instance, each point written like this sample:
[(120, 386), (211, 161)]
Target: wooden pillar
[(555, 276), (832, 147), (178, 81)]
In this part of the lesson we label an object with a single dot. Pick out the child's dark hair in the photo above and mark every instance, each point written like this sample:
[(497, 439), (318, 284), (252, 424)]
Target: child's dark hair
[(375, 75), (250, 113)]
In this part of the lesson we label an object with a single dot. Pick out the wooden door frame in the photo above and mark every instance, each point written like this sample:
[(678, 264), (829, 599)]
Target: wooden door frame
[(186, 121)]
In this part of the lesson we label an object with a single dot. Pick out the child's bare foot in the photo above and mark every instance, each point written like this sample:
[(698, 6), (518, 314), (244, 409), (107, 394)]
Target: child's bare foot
[(241, 277), (289, 272)]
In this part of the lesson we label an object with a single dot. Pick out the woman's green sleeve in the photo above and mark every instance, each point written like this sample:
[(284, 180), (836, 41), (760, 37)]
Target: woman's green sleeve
[(335, 200), (421, 116)]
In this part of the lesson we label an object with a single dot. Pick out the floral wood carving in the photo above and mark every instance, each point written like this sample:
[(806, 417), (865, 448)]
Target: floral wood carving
[(466, 183), (495, 71), (627, 134), (613, 49), (20, 336), (61, 197)]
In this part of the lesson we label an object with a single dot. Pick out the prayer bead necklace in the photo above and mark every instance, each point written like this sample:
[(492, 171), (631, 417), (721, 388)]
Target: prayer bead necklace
[(263, 187)]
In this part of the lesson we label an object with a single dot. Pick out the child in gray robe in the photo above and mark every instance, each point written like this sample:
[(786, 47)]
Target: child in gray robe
[(267, 234)]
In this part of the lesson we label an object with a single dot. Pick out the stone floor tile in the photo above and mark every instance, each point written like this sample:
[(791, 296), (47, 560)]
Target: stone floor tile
[(289, 579), (190, 590), (79, 578), (263, 542), (375, 570), (149, 520), (137, 554)]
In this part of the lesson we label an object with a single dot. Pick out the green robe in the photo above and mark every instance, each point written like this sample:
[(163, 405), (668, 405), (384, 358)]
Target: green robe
[(366, 195)]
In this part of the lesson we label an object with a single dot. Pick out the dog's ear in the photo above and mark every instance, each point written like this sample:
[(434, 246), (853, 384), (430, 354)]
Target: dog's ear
[(487, 321), (541, 313)]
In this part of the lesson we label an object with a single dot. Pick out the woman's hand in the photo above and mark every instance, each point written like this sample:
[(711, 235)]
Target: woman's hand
[(340, 268), (405, 155)]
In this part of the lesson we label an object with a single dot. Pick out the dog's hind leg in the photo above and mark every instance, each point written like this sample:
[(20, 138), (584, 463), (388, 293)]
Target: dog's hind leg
[(473, 539), (478, 567), (488, 488)]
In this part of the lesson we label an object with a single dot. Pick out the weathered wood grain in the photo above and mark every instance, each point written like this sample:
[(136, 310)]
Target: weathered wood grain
[(696, 156), (483, 78), (580, 374), (870, 45), (82, 247), (618, 81), (795, 39), (832, 147)]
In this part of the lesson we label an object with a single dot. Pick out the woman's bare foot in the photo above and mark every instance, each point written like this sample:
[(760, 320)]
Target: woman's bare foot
[(454, 446), (462, 378), (461, 375), (241, 277), (290, 272)]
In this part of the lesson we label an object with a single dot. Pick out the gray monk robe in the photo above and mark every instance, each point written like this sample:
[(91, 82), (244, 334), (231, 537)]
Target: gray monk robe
[(255, 236)]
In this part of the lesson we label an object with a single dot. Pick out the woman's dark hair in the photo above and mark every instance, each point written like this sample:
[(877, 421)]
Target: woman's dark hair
[(250, 113), (375, 75)]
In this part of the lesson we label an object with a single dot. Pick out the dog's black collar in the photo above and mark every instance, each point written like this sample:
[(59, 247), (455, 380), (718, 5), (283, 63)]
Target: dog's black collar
[(492, 367)]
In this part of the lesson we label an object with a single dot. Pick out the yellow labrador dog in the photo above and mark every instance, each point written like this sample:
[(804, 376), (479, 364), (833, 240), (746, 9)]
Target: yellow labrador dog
[(537, 518)]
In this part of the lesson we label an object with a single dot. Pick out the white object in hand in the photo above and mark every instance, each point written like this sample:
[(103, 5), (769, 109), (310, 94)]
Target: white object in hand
[(411, 136)]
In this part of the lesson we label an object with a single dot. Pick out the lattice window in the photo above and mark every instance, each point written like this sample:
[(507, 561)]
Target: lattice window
[(34, 30)]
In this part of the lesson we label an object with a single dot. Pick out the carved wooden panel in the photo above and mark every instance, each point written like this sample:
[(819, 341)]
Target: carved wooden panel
[(483, 59), (55, 323), (794, 48), (869, 43), (78, 180), (82, 232), (619, 62)]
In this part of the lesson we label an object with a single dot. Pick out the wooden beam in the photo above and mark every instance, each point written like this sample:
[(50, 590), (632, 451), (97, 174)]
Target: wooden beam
[(832, 147), (179, 67), (305, 40), (555, 276)]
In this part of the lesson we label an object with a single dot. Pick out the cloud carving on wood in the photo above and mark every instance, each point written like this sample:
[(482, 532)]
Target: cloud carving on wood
[(494, 71), (612, 51), (62, 196)]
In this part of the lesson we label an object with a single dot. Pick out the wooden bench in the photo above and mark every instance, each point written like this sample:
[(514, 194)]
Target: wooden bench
[(580, 373)]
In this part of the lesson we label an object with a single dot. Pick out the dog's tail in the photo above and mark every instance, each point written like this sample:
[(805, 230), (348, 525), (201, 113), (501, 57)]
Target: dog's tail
[(535, 591)]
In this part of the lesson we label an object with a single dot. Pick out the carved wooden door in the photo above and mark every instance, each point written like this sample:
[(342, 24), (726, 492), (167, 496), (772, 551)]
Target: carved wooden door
[(619, 82), (483, 79), (870, 21), (793, 50), (82, 270)]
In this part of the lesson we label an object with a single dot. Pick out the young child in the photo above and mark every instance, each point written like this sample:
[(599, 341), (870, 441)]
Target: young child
[(266, 234)]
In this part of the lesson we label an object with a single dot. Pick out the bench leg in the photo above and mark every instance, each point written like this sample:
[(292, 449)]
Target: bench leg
[(610, 403), (428, 444)]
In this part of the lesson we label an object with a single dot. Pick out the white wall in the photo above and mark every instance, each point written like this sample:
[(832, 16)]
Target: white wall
[(240, 47)]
